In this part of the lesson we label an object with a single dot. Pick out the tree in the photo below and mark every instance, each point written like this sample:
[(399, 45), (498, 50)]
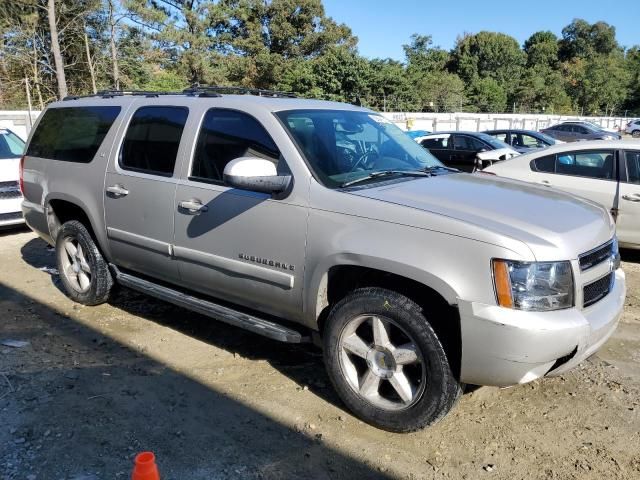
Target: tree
[(542, 49), (55, 48), (488, 55), (487, 95), (582, 39), (423, 57)]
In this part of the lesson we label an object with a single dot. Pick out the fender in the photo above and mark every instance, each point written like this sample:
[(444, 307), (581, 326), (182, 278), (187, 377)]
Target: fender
[(315, 299)]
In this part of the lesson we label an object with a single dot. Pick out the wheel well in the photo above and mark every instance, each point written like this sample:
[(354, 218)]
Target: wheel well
[(61, 211), (443, 317)]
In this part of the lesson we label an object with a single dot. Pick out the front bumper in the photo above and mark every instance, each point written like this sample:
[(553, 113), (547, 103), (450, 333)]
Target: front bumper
[(503, 347)]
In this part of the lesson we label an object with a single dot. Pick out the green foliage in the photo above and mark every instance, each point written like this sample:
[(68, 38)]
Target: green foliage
[(293, 45)]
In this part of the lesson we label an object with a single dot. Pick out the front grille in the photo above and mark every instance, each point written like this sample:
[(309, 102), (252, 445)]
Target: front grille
[(596, 256), (596, 291), (6, 194), (9, 190), (10, 216)]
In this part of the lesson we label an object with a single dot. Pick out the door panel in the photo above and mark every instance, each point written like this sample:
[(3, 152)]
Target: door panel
[(140, 191), (246, 247)]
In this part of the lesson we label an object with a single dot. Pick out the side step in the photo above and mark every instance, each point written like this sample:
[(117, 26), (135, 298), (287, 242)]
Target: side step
[(254, 324)]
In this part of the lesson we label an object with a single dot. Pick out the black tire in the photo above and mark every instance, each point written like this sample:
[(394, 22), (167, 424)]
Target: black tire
[(441, 389), (635, 134), (101, 281)]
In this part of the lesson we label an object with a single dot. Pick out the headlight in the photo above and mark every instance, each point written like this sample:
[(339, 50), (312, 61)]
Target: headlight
[(533, 286)]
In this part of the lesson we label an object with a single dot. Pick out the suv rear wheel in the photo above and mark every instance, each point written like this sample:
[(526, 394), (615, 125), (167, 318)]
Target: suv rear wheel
[(83, 270), (386, 362)]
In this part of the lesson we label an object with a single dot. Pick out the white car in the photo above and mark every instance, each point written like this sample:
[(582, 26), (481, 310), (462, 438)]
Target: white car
[(605, 172), (11, 150), (633, 128)]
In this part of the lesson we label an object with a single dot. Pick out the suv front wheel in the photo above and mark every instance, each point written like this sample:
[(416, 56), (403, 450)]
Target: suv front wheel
[(83, 270), (386, 362)]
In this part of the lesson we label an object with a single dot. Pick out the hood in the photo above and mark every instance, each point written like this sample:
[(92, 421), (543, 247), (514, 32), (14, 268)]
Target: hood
[(9, 169), (555, 225)]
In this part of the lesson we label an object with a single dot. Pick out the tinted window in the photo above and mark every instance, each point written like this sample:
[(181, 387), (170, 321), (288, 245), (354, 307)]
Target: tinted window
[(226, 135), (524, 140), (545, 164), (463, 142), (152, 140), (441, 142), (72, 134), (591, 164), (633, 166), (11, 146), (579, 129)]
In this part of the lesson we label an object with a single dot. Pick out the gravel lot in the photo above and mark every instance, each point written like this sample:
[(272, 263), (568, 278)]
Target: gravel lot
[(95, 385)]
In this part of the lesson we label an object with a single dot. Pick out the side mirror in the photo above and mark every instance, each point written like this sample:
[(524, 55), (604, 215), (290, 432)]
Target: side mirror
[(255, 174)]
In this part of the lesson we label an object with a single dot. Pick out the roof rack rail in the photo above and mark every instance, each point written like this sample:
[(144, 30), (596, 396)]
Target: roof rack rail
[(195, 90), (220, 89)]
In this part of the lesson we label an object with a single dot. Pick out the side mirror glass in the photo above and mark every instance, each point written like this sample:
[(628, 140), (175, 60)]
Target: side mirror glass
[(255, 174)]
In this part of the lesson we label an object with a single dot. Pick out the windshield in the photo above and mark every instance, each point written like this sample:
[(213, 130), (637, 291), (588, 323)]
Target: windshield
[(341, 146), (11, 146)]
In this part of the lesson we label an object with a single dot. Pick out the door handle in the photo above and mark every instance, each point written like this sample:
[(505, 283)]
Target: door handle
[(631, 198), (117, 191), (192, 207), (546, 182)]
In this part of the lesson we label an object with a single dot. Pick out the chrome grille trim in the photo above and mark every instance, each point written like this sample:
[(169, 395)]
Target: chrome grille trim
[(595, 256)]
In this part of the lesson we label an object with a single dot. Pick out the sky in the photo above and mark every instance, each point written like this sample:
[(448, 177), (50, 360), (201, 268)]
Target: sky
[(383, 26)]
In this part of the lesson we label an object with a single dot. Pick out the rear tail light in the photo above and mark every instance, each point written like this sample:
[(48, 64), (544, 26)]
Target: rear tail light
[(21, 170)]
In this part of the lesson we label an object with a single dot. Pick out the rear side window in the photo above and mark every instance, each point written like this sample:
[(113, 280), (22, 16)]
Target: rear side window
[(593, 164), (633, 166), (226, 135), (11, 146), (152, 140), (441, 142), (72, 134)]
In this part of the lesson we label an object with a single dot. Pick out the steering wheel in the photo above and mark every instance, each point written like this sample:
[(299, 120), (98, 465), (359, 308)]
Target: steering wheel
[(361, 159)]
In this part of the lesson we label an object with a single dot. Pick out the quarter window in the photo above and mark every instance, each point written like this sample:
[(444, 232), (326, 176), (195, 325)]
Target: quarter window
[(633, 167), (226, 135), (545, 164), (152, 140), (72, 134)]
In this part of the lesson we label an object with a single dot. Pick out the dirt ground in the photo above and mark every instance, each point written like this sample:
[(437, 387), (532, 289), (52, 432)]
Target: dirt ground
[(95, 385)]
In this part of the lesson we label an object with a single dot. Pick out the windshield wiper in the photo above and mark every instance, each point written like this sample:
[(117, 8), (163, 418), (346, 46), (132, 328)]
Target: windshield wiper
[(439, 167), (386, 173)]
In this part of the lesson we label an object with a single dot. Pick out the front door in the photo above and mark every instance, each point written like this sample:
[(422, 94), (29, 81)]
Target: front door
[(465, 150), (628, 223), (244, 247), (140, 189)]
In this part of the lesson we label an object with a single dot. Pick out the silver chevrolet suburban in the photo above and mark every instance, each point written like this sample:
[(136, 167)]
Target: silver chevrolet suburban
[(306, 220)]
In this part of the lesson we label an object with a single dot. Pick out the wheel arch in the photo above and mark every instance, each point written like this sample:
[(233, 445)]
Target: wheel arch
[(436, 298), (61, 208)]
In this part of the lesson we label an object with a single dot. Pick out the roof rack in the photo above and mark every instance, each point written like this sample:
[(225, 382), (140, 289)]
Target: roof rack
[(219, 89), (195, 90)]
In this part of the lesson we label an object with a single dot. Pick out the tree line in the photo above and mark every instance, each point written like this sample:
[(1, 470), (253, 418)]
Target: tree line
[(53, 48)]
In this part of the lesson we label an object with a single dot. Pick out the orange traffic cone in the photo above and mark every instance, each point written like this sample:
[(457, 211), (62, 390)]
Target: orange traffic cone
[(145, 467)]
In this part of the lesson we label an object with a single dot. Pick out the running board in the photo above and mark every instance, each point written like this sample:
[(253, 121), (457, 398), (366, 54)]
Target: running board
[(254, 324)]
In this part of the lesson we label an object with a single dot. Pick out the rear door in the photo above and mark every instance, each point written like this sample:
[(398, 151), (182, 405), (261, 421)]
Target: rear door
[(140, 187), (590, 174), (628, 222)]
